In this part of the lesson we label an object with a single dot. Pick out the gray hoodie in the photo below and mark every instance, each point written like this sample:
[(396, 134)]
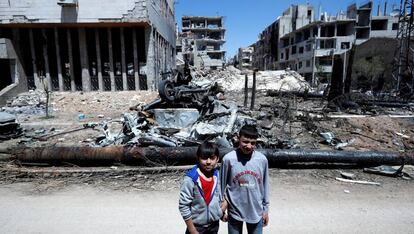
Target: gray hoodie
[(245, 183), (192, 204)]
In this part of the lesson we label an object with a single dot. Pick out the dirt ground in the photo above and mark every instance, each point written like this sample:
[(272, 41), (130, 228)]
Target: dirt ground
[(390, 129)]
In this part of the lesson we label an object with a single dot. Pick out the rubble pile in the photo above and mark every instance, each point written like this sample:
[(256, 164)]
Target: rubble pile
[(194, 112), (30, 103), (233, 79)]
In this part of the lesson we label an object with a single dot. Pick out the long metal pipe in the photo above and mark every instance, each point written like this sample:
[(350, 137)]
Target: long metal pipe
[(186, 155)]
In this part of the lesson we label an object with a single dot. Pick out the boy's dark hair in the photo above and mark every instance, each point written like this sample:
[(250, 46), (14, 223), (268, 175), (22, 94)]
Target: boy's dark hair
[(249, 131), (207, 149)]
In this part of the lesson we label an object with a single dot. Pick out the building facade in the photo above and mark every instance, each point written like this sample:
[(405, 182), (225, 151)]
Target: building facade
[(308, 46), (201, 41), (70, 45), (245, 58)]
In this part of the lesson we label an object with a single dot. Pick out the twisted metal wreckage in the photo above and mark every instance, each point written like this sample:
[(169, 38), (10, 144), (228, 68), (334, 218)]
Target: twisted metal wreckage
[(167, 131)]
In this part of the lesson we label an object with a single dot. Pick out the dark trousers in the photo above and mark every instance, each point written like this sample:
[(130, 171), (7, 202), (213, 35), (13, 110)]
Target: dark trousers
[(211, 228)]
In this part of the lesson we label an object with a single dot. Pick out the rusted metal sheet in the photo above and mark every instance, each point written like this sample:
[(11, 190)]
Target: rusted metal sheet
[(157, 156)]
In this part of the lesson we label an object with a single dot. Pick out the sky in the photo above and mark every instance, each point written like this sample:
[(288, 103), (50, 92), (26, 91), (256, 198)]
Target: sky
[(244, 20)]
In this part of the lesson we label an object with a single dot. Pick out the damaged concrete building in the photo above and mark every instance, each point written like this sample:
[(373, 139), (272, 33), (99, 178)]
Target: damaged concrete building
[(201, 42), (87, 45), (245, 58), (299, 41)]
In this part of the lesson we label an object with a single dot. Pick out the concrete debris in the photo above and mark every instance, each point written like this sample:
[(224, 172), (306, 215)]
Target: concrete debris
[(232, 79), (348, 175), (30, 103), (358, 181), (386, 170), (175, 118), (194, 106)]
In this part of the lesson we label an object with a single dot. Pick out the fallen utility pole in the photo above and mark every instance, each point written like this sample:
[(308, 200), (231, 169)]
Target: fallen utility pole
[(186, 155)]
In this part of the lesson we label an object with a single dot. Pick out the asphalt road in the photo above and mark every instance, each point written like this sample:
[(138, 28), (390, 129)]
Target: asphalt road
[(302, 201)]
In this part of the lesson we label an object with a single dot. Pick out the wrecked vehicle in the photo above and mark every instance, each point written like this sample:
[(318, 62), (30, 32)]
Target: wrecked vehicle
[(9, 128)]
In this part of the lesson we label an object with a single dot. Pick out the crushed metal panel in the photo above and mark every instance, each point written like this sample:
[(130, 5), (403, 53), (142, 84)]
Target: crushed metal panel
[(175, 118)]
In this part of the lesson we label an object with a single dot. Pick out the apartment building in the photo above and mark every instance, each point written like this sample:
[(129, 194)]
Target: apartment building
[(201, 41), (266, 49), (245, 58), (86, 44), (309, 46)]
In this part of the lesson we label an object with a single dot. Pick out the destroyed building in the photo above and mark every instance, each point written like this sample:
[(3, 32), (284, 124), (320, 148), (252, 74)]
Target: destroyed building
[(79, 45), (201, 42), (301, 42), (245, 58)]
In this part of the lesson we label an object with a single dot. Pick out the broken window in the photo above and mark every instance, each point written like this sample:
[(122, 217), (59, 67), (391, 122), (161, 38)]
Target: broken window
[(315, 32), (325, 61), (362, 33), (293, 49), (327, 44), (379, 25), (345, 45), (395, 26), (345, 29), (306, 35), (285, 42), (301, 50)]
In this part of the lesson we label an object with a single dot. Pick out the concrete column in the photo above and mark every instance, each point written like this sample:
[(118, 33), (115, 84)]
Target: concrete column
[(58, 60), (14, 69), (46, 58), (123, 63), (84, 60), (72, 70), (155, 81), (165, 55), (111, 60), (98, 60), (313, 66), (136, 61), (319, 31), (150, 66), (33, 52)]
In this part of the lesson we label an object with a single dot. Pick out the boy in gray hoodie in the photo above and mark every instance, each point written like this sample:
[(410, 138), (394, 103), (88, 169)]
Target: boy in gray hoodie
[(200, 195), (245, 184)]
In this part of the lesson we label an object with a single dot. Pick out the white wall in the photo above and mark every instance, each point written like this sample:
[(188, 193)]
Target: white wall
[(48, 11)]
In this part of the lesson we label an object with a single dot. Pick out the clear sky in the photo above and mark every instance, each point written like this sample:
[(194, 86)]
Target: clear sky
[(245, 19)]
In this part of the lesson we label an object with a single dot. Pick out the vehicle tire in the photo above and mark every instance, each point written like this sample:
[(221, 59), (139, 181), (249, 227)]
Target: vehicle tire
[(166, 90)]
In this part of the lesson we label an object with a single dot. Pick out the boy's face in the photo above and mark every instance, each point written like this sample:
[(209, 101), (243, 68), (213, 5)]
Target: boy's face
[(247, 145), (208, 163)]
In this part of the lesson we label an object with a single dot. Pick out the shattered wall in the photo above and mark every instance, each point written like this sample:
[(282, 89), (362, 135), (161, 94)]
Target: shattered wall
[(382, 49)]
